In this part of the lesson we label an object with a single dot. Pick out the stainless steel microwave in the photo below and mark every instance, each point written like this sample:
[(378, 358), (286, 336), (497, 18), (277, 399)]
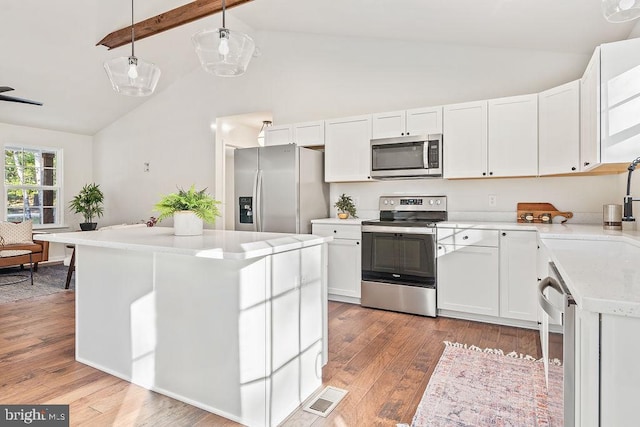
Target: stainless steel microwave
[(415, 156)]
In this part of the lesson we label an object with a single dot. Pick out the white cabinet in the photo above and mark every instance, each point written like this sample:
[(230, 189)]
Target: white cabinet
[(559, 129), (590, 114), (465, 140), (468, 271), (513, 136), (306, 134), (345, 259), (424, 121), (278, 135), (495, 138), (407, 122), (609, 106), (347, 149), (309, 134), (518, 275)]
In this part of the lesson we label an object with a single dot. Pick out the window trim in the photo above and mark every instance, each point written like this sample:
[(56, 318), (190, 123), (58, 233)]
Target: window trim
[(59, 170)]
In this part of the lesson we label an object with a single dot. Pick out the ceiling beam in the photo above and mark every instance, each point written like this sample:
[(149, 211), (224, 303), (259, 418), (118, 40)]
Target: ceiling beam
[(165, 21)]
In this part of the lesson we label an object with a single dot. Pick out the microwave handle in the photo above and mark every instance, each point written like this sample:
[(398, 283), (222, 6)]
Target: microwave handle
[(425, 154)]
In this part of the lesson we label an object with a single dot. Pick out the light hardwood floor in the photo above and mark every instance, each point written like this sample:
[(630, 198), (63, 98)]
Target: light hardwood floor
[(384, 360)]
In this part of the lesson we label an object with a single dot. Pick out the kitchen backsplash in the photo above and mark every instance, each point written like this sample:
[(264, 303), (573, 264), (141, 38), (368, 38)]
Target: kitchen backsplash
[(468, 200)]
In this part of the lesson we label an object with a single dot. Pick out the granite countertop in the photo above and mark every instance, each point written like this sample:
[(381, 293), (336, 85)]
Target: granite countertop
[(216, 244)]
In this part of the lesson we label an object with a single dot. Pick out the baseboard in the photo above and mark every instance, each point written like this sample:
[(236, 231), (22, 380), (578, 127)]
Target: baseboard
[(342, 298), (489, 319)]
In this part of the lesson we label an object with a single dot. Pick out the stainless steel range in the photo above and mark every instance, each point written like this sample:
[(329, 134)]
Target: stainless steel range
[(399, 254)]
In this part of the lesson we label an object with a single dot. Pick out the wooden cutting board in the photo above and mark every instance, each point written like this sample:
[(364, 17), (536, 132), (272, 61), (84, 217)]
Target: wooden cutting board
[(540, 211)]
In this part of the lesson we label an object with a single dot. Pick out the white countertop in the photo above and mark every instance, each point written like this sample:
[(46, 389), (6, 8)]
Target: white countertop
[(334, 221), (216, 244)]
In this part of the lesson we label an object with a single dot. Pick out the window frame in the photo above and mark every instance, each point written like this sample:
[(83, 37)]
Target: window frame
[(59, 187)]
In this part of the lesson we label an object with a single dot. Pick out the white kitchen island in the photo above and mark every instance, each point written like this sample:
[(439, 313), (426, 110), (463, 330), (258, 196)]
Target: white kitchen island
[(231, 322)]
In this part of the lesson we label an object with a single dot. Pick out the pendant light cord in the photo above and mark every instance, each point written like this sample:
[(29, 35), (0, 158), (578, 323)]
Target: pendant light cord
[(223, 8), (133, 32)]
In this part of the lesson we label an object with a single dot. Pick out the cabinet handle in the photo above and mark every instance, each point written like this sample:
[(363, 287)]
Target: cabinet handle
[(573, 168), (357, 243), (490, 173), (587, 163), (484, 174), (335, 231), (402, 134), (504, 234), (440, 247), (465, 237), (407, 133)]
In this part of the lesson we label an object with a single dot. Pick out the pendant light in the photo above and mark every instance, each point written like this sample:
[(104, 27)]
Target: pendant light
[(223, 52), (621, 10), (132, 76)]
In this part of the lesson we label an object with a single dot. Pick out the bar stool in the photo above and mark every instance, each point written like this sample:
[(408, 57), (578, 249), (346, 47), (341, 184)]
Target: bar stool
[(72, 265)]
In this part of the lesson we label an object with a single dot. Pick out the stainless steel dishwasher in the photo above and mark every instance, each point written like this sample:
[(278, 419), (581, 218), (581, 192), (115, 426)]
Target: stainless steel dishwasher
[(565, 315)]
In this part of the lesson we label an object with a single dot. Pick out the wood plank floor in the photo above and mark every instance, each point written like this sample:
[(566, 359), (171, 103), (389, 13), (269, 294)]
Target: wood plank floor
[(384, 359)]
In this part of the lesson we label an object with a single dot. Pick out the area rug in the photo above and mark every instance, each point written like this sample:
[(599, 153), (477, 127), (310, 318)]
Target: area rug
[(47, 280), (475, 387)]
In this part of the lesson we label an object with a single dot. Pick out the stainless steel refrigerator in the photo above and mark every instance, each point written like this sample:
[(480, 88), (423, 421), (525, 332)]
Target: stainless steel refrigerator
[(279, 188)]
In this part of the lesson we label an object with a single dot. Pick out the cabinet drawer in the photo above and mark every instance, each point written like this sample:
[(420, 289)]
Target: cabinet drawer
[(338, 231), (467, 237)]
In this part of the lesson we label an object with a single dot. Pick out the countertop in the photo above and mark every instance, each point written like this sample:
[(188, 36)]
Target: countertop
[(600, 267), (216, 244)]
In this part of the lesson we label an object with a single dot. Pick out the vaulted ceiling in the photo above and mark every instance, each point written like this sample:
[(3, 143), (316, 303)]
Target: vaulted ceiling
[(49, 53)]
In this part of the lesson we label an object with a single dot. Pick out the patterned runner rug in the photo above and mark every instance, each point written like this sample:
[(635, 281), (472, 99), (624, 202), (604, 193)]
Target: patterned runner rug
[(475, 387)]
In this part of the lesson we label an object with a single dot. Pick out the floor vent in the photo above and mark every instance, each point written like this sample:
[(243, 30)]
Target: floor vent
[(324, 402)]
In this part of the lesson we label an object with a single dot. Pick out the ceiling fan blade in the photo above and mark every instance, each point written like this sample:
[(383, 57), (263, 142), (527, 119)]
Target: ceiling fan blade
[(5, 89), (20, 100)]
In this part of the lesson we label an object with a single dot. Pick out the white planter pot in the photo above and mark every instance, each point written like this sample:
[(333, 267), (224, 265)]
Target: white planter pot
[(186, 223)]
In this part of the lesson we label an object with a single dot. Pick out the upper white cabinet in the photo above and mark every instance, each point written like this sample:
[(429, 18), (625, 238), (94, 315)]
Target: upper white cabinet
[(513, 136), (309, 134), (424, 121), (559, 129), (610, 106), (407, 122), (590, 114), (495, 138), (465, 140), (347, 149), (306, 134), (278, 135)]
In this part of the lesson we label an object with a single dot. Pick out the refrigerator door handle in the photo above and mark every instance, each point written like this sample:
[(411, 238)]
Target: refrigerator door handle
[(255, 201), (258, 198)]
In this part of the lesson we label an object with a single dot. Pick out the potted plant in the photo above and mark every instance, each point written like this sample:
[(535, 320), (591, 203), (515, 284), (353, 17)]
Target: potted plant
[(345, 207), (88, 202), (189, 208)]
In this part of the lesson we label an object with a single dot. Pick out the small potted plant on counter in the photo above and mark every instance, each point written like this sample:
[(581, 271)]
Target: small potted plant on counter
[(345, 207), (190, 209), (88, 202)]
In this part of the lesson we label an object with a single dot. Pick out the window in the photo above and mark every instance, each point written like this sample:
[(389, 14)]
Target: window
[(32, 185)]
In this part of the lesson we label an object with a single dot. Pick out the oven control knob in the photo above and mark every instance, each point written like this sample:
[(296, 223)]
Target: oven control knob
[(392, 202), (431, 201), (437, 202), (386, 202)]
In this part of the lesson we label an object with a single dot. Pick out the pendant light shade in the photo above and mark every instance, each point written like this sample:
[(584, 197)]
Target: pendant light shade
[(621, 10), (132, 76), (223, 52)]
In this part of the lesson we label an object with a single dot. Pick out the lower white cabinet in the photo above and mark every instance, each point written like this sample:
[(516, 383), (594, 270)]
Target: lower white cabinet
[(518, 275), (468, 274), (345, 259)]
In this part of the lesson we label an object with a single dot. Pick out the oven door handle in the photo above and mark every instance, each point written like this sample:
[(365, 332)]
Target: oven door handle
[(402, 230), (543, 301)]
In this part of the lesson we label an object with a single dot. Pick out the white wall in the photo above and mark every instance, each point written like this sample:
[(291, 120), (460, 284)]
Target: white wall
[(305, 77), (77, 165)]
